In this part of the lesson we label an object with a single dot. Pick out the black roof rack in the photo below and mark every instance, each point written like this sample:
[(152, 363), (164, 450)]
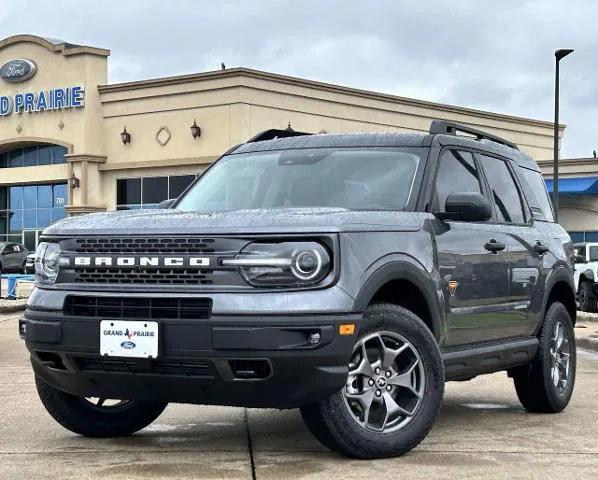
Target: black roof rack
[(275, 133), (451, 128)]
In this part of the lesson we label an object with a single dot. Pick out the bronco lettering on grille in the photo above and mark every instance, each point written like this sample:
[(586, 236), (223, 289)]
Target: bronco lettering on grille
[(142, 261)]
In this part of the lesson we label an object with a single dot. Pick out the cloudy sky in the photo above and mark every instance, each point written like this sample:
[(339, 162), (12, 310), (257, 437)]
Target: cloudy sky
[(491, 55)]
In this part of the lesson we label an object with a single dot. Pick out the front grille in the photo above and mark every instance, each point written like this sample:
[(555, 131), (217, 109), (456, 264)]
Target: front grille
[(188, 368), (151, 275), (190, 276), (145, 245), (145, 308)]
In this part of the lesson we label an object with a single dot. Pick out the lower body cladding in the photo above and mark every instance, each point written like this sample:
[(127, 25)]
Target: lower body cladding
[(264, 361)]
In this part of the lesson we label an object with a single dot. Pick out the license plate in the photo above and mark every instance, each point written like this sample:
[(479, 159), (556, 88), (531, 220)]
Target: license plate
[(129, 339)]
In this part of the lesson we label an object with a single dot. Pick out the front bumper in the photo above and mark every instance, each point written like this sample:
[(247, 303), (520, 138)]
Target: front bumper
[(237, 360)]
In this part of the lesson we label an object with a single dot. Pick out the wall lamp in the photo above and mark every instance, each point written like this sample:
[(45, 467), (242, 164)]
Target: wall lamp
[(74, 181), (195, 130), (125, 136)]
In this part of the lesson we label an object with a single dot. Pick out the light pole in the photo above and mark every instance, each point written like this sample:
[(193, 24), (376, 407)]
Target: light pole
[(559, 54)]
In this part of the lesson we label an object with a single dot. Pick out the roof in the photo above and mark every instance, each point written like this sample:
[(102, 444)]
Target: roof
[(386, 140), (302, 82), (589, 161), (337, 140), (54, 45)]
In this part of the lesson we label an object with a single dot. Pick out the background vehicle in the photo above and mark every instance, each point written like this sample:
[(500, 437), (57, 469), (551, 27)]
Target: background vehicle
[(346, 275), (586, 274), (12, 257), (30, 263)]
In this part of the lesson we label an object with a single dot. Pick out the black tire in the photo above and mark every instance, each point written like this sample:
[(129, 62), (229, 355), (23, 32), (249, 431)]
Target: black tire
[(586, 297), (331, 420), (81, 416), (534, 384)]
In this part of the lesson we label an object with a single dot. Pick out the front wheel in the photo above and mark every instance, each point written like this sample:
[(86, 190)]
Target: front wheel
[(393, 391), (97, 417), (547, 384)]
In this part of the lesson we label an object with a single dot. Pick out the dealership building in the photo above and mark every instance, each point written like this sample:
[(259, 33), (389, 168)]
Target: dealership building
[(71, 143)]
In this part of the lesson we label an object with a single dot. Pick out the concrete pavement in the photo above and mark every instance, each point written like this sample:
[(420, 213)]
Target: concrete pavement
[(482, 432)]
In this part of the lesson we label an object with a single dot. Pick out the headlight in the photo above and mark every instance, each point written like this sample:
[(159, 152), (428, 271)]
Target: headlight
[(287, 264), (47, 264)]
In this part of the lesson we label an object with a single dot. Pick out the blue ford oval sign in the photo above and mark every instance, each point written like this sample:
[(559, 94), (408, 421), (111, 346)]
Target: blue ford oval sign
[(128, 345), (18, 70)]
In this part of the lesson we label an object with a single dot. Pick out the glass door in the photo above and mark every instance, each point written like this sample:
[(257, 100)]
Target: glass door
[(31, 239)]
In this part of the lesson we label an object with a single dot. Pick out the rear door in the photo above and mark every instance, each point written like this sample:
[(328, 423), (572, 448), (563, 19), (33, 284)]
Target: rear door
[(525, 243), (472, 258)]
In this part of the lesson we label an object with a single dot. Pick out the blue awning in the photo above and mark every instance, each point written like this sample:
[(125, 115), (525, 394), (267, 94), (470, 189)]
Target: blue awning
[(576, 186)]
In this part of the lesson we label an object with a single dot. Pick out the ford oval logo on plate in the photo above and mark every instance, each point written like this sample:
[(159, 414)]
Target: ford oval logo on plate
[(18, 70), (128, 345)]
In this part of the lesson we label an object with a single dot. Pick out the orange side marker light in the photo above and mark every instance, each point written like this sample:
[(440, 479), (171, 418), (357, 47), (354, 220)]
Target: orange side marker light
[(346, 329)]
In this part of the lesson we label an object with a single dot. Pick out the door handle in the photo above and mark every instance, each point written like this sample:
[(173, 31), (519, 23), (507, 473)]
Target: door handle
[(494, 246), (540, 248)]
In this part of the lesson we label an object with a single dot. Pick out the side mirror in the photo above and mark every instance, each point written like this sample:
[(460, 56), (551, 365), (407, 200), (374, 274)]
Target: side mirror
[(167, 203), (466, 207)]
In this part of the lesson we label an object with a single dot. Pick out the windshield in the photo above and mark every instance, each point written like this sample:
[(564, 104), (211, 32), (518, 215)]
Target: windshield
[(352, 178)]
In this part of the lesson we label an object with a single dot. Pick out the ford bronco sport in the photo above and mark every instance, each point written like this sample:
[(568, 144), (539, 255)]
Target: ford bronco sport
[(347, 275)]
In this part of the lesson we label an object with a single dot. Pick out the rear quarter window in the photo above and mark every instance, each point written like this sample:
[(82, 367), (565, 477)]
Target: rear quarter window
[(536, 194)]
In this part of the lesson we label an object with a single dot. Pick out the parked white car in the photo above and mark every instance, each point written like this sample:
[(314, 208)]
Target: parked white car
[(30, 263), (586, 275)]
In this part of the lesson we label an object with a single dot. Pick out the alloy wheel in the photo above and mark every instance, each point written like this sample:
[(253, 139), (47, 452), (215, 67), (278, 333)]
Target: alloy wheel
[(386, 382), (560, 357), (106, 404)]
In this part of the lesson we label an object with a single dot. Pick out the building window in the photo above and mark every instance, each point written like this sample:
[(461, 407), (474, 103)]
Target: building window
[(144, 193), (33, 156), (30, 207), (589, 236)]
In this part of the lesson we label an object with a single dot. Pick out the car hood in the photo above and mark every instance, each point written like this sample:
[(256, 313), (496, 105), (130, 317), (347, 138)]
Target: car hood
[(287, 220)]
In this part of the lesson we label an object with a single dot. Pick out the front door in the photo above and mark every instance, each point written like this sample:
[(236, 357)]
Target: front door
[(473, 263), (473, 259)]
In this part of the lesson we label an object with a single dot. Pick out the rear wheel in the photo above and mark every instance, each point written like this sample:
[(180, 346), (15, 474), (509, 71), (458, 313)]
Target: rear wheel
[(393, 391), (97, 417), (547, 384), (586, 299)]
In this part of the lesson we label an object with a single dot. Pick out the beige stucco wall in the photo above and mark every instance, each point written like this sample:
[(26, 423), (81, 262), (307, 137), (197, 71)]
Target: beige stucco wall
[(56, 70)]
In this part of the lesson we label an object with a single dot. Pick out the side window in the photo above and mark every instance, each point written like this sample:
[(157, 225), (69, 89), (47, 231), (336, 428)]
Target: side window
[(537, 194), (457, 172), (593, 254), (503, 190)]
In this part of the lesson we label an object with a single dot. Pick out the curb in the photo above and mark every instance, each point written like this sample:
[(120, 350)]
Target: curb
[(587, 343), (587, 317), (19, 307)]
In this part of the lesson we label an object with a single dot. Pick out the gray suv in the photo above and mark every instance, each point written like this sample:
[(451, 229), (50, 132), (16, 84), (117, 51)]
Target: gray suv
[(12, 257), (349, 276)]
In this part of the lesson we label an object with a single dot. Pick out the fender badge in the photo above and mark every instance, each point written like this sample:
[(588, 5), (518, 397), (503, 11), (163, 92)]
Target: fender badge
[(452, 285)]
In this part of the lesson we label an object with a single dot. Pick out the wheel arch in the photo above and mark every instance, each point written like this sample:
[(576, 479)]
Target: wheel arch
[(585, 276), (561, 289), (404, 283)]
